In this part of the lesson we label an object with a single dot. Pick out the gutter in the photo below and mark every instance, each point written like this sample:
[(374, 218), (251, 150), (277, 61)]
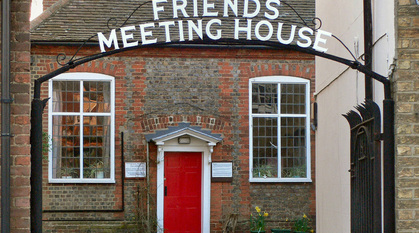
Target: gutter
[(5, 116)]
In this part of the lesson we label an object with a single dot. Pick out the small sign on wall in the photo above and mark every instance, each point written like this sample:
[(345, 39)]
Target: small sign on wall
[(135, 169), (222, 171)]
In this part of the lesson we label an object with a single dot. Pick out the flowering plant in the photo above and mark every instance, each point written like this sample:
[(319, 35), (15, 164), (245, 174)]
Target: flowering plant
[(257, 222), (301, 224)]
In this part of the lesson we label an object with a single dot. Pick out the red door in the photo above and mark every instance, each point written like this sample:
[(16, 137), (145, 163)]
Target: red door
[(182, 192)]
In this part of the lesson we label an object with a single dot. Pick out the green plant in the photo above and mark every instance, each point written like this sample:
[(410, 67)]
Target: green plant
[(46, 144), (67, 171), (294, 172), (302, 224), (264, 171), (95, 168), (257, 222)]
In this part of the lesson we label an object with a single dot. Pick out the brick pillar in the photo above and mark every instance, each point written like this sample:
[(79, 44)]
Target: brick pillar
[(407, 116), (19, 119)]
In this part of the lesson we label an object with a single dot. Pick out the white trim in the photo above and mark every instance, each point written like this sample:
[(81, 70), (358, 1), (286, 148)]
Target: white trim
[(80, 77), (196, 145), (280, 80), (188, 131)]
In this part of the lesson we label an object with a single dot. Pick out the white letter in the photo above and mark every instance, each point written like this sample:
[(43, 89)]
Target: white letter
[(148, 33), (156, 9), (112, 38), (166, 26), (247, 29), (179, 7), (208, 31), (304, 37), (270, 28), (271, 8), (125, 37), (181, 36), (320, 40), (246, 7), (233, 7), (197, 29), (279, 35), (206, 7), (195, 8)]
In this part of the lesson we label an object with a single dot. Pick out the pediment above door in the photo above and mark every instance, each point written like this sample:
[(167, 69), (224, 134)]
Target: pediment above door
[(182, 130)]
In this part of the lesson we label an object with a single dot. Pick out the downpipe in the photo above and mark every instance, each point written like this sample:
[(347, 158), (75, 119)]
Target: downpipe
[(5, 116)]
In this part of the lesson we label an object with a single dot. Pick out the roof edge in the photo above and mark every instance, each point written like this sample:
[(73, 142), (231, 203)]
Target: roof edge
[(47, 13)]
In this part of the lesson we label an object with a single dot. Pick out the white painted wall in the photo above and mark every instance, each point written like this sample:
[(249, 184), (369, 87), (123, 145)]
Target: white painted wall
[(338, 90)]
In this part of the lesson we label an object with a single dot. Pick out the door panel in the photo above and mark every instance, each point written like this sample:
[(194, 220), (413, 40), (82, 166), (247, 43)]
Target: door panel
[(182, 200)]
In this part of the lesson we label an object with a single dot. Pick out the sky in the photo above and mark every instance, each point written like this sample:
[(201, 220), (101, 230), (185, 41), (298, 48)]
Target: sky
[(36, 8)]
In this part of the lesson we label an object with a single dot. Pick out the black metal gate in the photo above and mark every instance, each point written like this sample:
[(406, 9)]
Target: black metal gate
[(365, 168)]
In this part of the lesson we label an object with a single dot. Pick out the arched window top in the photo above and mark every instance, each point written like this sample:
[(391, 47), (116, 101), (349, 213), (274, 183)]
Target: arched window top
[(279, 79), (86, 76)]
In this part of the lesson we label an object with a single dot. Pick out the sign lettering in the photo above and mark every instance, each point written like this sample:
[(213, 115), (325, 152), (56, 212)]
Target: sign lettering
[(244, 27)]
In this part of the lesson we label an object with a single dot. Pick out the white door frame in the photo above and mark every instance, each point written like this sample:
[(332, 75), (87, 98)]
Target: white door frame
[(196, 145)]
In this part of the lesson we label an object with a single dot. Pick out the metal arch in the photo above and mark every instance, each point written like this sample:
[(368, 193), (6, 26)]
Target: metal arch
[(354, 64), (38, 105)]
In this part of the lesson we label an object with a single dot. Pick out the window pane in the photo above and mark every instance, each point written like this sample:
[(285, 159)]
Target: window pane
[(293, 147), (265, 153), (96, 147), (293, 99), (96, 96), (264, 98), (65, 147), (66, 96)]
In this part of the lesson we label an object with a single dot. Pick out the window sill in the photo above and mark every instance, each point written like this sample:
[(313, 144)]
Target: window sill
[(280, 180), (81, 181)]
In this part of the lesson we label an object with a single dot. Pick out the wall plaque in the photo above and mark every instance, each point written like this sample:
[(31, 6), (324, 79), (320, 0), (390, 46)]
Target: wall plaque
[(222, 171), (135, 169)]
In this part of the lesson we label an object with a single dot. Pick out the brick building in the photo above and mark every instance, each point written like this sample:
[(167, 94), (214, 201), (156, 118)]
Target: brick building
[(15, 116), (160, 123), (406, 89)]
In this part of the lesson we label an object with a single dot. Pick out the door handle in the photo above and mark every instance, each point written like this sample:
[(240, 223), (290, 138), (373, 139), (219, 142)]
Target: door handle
[(165, 190)]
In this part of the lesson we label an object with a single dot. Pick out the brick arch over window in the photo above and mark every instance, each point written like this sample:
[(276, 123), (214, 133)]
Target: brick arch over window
[(214, 124), (297, 69), (101, 67)]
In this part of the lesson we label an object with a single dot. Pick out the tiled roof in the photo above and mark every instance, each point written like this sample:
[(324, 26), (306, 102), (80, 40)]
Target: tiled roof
[(79, 20)]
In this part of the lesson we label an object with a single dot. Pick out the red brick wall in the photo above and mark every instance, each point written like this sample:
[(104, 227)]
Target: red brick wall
[(146, 81), (19, 119), (47, 3)]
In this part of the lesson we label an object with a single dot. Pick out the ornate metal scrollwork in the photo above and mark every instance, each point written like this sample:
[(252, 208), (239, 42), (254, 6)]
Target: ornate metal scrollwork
[(61, 57)]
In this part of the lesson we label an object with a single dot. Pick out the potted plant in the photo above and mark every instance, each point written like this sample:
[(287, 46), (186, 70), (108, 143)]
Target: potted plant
[(278, 230), (257, 222), (301, 225), (264, 171), (96, 170), (67, 172)]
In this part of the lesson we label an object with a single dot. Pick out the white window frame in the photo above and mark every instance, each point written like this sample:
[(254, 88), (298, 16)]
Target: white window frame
[(83, 76), (280, 80)]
